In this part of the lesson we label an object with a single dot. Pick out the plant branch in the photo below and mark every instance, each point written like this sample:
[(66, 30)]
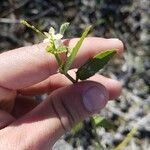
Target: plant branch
[(32, 27), (70, 78), (58, 59)]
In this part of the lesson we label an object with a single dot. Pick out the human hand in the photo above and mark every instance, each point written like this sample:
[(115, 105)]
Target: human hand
[(30, 71)]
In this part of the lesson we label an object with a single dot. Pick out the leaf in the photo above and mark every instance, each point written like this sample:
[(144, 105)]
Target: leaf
[(93, 65), (50, 48), (74, 51), (99, 121), (61, 50), (127, 139), (63, 28), (77, 128)]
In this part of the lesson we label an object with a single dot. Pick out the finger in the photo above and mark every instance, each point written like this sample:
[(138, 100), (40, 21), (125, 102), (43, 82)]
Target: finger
[(26, 66), (56, 81), (59, 113), (92, 45), (5, 119), (50, 84), (113, 87), (23, 104), (7, 99)]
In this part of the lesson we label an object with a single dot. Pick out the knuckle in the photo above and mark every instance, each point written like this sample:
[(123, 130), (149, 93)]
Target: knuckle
[(71, 119), (64, 113), (7, 99)]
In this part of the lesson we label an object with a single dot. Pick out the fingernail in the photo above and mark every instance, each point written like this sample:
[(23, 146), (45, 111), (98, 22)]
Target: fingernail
[(95, 99)]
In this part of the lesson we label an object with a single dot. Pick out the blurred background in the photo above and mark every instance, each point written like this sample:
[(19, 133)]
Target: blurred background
[(128, 20)]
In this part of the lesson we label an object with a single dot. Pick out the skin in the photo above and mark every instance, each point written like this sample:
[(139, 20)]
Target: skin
[(30, 71)]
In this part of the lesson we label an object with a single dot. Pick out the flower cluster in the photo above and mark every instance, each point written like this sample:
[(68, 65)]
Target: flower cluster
[(55, 44)]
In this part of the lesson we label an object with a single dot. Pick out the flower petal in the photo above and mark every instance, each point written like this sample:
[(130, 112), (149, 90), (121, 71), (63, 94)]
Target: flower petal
[(47, 40), (52, 31), (47, 34), (58, 36), (58, 43)]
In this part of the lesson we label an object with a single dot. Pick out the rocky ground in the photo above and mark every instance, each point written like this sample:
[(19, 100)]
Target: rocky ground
[(124, 19)]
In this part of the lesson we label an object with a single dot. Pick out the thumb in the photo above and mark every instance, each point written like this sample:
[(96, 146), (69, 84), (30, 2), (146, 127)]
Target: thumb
[(60, 112)]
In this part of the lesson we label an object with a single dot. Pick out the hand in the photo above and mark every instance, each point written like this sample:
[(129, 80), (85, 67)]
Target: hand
[(30, 71)]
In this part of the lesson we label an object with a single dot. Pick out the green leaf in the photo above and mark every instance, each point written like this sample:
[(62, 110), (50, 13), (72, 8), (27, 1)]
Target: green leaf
[(61, 50), (77, 128), (127, 139), (74, 51), (63, 28), (93, 65), (50, 48), (99, 121)]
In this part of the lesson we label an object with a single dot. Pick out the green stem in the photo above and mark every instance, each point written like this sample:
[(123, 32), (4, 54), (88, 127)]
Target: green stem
[(70, 78), (32, 27), (58, 59)]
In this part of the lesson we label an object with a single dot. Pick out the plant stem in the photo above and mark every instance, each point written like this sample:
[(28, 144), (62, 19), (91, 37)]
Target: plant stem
[(70, 78), (58, 59), (32, 27)]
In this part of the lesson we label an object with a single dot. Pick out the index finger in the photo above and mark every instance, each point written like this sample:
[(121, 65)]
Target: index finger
[(29, 65)]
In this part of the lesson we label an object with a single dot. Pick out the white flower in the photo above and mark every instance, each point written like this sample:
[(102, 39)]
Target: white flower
[(55, 44), (53, 38)]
